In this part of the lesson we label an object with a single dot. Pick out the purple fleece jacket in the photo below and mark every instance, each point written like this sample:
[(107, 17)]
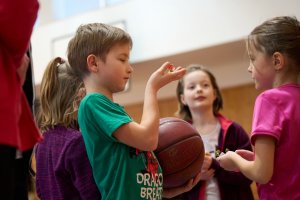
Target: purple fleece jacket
[(63, 170)]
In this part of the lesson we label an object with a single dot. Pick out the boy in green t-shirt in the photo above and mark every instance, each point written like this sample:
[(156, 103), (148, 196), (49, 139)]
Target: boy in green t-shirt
[(119, 149)]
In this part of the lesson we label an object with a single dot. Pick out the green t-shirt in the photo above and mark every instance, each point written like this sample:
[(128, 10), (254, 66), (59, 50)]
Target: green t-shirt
[(120, 172)]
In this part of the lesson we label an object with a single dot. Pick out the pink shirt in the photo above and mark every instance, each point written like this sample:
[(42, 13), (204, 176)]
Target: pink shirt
[(277, 114), (17, 127)]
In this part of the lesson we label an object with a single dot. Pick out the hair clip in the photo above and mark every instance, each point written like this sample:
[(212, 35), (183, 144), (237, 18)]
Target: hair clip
[(61, 61)]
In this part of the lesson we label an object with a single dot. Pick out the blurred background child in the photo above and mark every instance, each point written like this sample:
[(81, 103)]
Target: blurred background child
[(200, 101)]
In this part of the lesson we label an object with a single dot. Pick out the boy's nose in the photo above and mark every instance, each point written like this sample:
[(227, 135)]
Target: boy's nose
[(130, 68)]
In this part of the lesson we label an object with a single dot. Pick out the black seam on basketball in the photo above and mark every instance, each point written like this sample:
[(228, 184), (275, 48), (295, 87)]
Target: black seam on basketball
[(178, 141)]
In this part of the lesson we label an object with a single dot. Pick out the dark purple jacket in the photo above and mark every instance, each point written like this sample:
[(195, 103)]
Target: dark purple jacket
[(232, 185), (63, 170)]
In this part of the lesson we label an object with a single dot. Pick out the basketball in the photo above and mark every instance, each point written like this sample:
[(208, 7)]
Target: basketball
[(180, 151)]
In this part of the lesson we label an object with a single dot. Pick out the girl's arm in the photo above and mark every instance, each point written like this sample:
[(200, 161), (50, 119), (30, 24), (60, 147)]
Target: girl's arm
[(144, 135), (248, 155), (260, 169)]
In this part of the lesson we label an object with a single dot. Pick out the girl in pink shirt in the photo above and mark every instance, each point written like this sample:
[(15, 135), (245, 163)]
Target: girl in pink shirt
[(274, 52)]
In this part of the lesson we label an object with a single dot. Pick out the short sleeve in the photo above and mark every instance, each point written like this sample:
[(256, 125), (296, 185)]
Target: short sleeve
[(267, 118), (105, 114)]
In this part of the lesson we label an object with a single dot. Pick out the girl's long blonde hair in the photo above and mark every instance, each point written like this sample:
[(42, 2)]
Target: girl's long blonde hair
[(59, 99)]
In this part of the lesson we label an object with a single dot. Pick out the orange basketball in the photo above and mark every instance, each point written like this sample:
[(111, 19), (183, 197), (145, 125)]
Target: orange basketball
[(180, 151)]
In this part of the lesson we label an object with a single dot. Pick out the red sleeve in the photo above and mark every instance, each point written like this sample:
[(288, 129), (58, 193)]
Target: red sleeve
[(17, 18)]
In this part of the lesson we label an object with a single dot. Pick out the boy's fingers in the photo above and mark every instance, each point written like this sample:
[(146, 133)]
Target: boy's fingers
[(165, 66)]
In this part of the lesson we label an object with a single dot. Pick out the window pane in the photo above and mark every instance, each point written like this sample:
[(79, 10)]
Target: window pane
[(67, 8)]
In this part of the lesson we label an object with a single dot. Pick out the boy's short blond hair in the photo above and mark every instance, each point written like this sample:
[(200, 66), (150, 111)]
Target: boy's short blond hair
[(96, 39)]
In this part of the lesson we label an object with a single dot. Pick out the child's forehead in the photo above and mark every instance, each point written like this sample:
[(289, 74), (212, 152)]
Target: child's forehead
[(197, 75), (251, 49), (254, 47), (120, 48)]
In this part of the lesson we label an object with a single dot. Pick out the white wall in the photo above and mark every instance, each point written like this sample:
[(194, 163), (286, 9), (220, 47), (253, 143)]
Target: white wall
[(166, 28)]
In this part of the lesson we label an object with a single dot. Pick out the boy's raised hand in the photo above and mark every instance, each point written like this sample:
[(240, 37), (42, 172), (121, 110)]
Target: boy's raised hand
[(165, 74)]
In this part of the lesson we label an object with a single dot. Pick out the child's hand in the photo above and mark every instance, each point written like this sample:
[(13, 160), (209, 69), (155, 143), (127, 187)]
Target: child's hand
[(226, 161), (172, 192), (246, 154), (164, 75), (207, 174), (207, 161)]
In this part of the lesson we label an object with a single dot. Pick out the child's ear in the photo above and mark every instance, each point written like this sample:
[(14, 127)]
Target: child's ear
[(92, 63), (278, 60)]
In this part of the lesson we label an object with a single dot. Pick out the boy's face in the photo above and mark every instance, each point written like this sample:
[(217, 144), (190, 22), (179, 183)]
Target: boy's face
[(116, 70)]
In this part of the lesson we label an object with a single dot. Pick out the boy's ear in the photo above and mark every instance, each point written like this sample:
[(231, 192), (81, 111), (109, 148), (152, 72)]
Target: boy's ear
[(278, 61), (92, 63)]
